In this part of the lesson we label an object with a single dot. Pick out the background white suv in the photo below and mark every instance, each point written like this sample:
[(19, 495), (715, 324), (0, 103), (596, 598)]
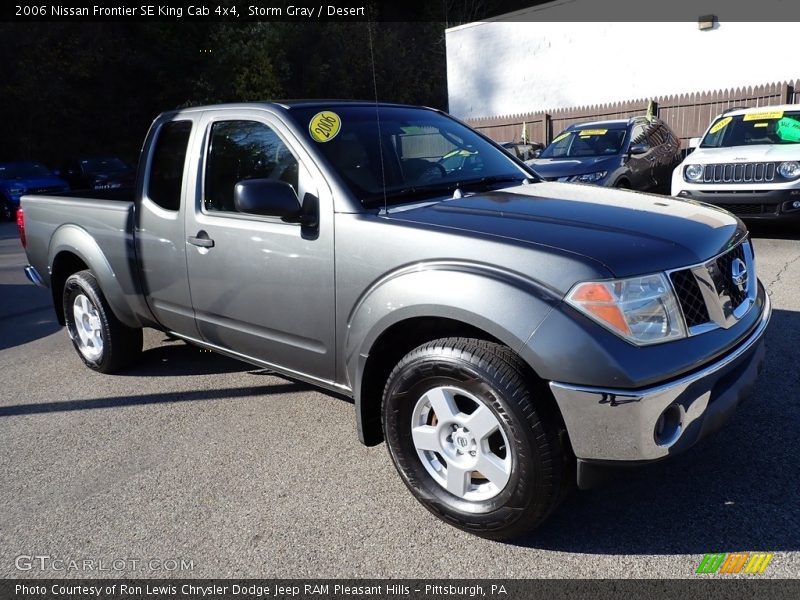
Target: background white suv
[(748, 162)]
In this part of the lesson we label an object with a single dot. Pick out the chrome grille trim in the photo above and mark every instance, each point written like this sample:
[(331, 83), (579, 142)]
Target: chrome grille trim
[(717, 289), (761, 172)]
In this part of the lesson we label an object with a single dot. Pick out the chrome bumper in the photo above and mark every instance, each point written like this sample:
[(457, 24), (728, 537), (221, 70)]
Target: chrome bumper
[(33, 276), (620, 425)]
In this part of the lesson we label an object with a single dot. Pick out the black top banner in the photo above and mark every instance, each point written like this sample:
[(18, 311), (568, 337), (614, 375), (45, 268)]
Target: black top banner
[(449, 12)]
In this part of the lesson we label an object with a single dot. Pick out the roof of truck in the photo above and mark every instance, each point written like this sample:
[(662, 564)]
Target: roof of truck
[(289, 104)]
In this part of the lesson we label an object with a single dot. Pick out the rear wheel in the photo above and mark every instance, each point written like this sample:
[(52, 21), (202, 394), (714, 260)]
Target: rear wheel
[(101, 340), (471, 439)]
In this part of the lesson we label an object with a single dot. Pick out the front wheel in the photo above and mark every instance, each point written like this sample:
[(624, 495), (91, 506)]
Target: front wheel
[(102, 341), (471, 439)]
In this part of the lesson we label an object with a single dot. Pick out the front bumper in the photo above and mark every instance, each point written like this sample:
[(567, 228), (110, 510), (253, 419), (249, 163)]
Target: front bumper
[(750, 204), (620, 425)]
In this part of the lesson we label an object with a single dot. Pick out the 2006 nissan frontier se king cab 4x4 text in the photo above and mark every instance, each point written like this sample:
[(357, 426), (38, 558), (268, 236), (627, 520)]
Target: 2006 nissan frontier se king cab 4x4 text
[(494, 329)]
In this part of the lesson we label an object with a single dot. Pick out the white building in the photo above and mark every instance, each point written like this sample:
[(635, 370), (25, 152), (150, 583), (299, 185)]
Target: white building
[(529, 61)]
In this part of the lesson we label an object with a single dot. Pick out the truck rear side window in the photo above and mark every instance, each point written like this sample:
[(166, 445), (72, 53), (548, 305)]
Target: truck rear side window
[(166, 170), (240, 150)]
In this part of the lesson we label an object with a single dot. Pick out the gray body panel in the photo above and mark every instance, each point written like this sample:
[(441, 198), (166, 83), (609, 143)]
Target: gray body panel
[(100, 233), (313, 302)]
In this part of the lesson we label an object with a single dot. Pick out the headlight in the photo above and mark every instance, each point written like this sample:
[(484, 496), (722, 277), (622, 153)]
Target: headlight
[(642, 310), (693, 172), (588, 177), (790, 169)]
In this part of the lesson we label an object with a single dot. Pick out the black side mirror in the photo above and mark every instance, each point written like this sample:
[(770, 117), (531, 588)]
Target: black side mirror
[(637, 149), (267, 197), (536, 153)]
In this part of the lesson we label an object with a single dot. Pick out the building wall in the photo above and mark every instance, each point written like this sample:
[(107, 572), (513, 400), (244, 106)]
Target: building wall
[(500, 67)]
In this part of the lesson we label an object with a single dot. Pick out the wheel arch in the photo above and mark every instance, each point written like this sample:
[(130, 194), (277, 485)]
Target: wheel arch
[(409, 310), (73, 249)]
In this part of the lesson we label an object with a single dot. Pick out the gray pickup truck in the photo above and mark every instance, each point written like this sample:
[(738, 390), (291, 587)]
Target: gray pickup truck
[(505, 336)]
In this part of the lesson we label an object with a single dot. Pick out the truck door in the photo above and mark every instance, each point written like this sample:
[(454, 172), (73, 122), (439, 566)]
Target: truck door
[(159, 234), (261, 286)]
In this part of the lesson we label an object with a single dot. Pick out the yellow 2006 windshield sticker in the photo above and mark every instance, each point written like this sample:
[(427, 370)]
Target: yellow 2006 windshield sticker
[(720, 124), (588, 132), (760, 124), (561, 137), (773, 114), (324, 126)]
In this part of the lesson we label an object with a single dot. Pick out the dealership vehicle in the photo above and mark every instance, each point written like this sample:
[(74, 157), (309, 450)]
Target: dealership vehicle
[(25, 177), (502, 334), (636, 153), (104, 173), (523, 151), (747, 162)]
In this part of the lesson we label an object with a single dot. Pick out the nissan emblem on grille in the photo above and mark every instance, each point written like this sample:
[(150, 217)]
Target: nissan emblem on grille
[(739, 274), (719, 292)]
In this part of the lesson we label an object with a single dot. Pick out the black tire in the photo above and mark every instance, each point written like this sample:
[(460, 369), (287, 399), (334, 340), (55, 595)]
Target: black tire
[(622, 185), (121, 345), (495, 376)]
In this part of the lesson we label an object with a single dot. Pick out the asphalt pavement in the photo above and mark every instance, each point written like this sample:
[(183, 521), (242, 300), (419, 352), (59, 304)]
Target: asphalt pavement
[(195, 465)]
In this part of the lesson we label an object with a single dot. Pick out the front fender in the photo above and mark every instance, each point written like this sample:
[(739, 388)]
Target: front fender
[(76, 240), (506, 305)]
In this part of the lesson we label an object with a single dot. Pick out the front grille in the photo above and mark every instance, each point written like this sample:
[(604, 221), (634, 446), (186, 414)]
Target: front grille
[(690, 298), (707, 293), (739, 172), (724, 263), (750, 209)]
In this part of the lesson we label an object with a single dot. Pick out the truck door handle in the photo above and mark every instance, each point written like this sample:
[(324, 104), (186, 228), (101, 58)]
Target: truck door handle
[(201, 240)]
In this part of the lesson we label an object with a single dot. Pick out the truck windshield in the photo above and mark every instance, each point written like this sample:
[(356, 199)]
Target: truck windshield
[(767, 127), (23, 170), (591, 141), (402, 153)]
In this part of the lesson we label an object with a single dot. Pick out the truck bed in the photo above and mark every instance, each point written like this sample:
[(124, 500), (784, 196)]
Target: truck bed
[(101, 223), (127, 194)]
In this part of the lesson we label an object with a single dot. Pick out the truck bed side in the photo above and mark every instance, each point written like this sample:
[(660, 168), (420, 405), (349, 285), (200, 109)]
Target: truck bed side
[(67, 233)]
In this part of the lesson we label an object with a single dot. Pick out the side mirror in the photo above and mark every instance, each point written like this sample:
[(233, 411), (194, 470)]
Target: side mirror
[(694, 142), (638, 149), (267, 197), (536, 153)]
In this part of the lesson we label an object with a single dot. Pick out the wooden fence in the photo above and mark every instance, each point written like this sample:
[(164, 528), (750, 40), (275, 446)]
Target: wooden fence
[(687, 114)]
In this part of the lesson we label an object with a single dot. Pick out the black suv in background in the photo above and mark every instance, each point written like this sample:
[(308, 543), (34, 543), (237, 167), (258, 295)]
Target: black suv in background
[(100, 173), (636, 153)]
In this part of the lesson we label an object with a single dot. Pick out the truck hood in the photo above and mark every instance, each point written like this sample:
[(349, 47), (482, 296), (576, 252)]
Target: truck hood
[(553, 168), (743, 154), (627, 232)]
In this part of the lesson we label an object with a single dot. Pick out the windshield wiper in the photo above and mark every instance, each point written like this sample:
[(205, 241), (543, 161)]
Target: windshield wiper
[(421, 191), (410, 193), (494, 179)]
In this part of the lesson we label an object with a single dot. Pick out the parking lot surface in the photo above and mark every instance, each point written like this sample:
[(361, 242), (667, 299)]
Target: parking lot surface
[(194, 459)]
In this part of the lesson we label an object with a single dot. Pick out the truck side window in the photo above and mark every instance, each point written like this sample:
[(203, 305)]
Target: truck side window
[(240, 150), (166, 170)]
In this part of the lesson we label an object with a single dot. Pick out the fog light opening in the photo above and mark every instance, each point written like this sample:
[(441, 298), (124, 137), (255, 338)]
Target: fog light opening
[(669, 425)]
